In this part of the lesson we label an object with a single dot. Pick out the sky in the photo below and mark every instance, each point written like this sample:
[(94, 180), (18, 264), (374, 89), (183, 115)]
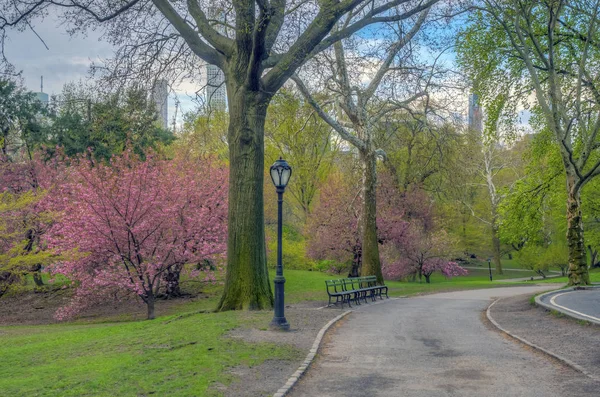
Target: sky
[(67, 58)]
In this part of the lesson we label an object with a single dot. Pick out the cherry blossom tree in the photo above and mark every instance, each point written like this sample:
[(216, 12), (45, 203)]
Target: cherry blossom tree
[(334, 225), (421, 253), (131, 225)]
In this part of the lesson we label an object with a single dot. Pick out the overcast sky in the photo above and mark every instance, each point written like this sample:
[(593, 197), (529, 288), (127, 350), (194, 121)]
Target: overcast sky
[(68, 59)]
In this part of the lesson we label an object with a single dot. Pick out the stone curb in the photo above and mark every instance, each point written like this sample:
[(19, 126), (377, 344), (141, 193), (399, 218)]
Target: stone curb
[(551, 307), (313, 352), (565, 360), (309, 358)]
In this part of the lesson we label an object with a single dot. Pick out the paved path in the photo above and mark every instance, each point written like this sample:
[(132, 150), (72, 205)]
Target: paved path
[(550, 274), (584, 304), (435, 345)]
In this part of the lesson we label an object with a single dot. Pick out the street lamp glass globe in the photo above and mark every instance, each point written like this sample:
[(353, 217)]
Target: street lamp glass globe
[(281, 173)]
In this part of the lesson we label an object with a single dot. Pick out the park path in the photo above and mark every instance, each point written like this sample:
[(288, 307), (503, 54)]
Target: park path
[(435, 345)]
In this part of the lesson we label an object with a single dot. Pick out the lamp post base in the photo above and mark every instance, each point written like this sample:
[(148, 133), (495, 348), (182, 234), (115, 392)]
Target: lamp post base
[(279, 324)]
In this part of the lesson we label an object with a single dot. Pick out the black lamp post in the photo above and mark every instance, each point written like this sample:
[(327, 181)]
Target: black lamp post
[(490, 267), (280, 174)]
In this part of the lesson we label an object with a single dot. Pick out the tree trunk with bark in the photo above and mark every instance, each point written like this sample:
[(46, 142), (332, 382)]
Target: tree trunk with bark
[(497, 256), (578, 272), (356, 262), (150, 306), (173, 287), (371, 263), (247, 284)]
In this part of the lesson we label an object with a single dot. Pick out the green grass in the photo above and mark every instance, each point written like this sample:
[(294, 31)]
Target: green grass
[(181, 354), (168, 356), (594, 278), (302, 285)]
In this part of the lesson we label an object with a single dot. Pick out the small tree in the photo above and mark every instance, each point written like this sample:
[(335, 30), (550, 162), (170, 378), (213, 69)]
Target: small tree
[(131, 225), (422, 253)]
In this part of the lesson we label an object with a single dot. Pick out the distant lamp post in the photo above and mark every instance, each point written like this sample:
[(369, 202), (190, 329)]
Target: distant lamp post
[(280, 174), (490, 267)]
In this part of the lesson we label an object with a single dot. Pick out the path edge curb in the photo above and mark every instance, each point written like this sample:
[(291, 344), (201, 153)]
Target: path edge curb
[(550, 307), (309, 358), (564, 360)]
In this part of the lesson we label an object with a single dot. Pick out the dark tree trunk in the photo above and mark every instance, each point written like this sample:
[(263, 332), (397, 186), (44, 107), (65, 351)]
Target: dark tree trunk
[(150, 305), (37, 278), (427, 278), (247, 282), (371, 263), (496, 248), (593, 257), (172, 287), (578, 272), (356, 262)]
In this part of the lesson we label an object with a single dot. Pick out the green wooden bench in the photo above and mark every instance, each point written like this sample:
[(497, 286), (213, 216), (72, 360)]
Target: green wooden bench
[(354, 289)]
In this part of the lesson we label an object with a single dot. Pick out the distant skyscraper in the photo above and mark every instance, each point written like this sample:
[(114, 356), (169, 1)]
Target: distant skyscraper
[(475, 113), (160, 96), (42, 96), (215, 88), (216, 96)]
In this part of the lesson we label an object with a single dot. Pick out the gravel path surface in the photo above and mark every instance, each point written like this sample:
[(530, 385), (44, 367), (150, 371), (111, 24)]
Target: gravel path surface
[(435, 345), (564, 336), (306, 319)]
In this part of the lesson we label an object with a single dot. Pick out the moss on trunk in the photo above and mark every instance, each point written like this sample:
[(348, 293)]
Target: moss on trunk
[(247, 284), (578, 271), (371, 263)]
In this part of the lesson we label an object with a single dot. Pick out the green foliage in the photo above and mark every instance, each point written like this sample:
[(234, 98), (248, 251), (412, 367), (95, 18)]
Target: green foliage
[(21, 119), (20, 251), (294, 249), (204, 134), (105, 124), (294, 132)]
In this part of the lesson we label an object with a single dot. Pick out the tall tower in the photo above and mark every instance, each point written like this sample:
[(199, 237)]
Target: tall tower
[(475, 114), (216, 96), (42, 96), (215, 88), (160, 96)]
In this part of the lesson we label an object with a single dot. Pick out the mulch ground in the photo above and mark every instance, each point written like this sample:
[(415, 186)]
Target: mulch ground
[(38, 308), (572, 339)]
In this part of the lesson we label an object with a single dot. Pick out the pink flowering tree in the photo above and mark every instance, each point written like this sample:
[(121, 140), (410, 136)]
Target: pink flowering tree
[(422, 253), (334, 224), (130, 226)]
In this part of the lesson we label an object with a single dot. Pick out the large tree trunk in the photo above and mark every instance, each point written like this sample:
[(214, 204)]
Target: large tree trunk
[(578, 272), (371, 263), (496, 247), (247, 282)]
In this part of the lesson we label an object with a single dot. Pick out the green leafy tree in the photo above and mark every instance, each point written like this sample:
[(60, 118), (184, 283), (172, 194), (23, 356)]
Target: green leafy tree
[(21, 120), (105, 124), (546, 51), (259, 45), (294, 131)]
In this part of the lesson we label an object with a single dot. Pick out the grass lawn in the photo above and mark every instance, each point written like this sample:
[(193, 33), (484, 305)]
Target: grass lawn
[(594, 278), (170, 356), (177, 355)]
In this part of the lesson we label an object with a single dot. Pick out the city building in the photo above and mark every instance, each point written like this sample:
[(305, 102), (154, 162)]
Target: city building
[(160, 96)]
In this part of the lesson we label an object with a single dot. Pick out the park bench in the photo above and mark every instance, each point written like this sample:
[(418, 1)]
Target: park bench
[(354, 289)]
